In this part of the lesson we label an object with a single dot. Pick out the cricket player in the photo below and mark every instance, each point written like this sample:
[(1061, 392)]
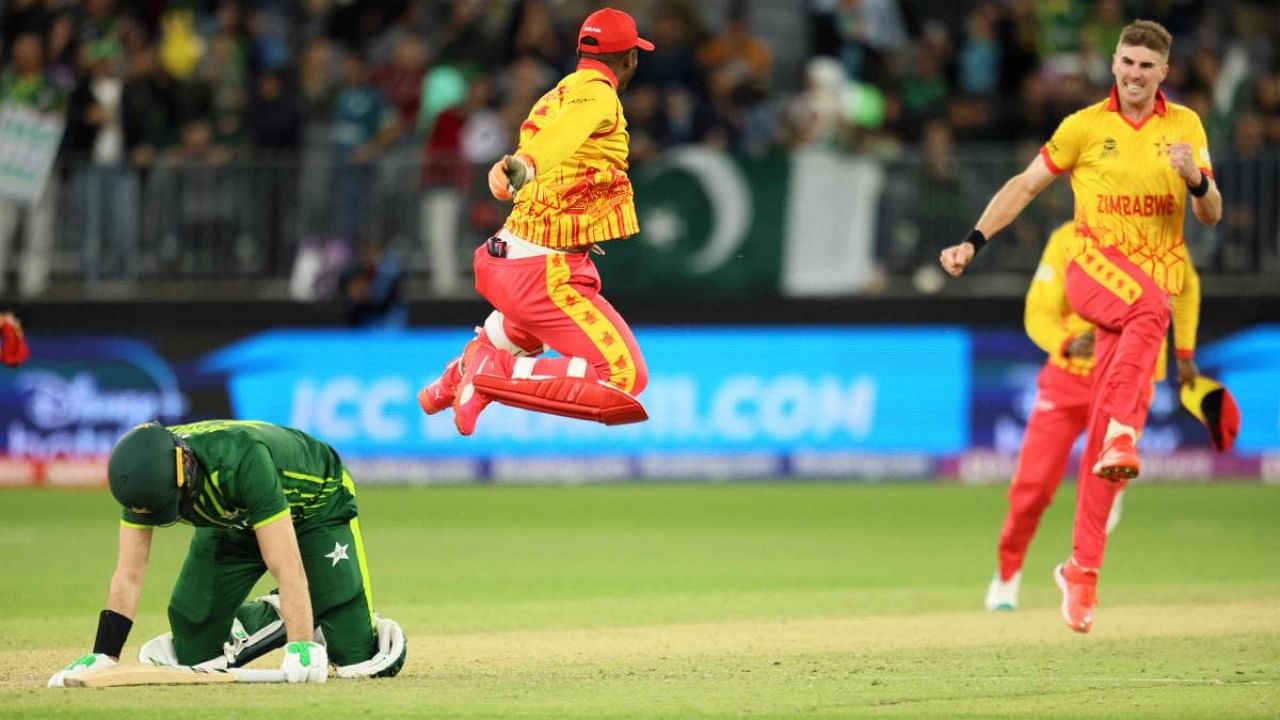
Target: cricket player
[(568, 177), (262, 498), (1133, 158), (1064, 390)]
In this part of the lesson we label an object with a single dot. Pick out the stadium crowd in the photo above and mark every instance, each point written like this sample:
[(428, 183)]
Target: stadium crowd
[(354, 92)]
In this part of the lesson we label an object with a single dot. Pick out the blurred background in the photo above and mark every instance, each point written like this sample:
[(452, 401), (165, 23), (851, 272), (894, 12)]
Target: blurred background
[(267, 210)]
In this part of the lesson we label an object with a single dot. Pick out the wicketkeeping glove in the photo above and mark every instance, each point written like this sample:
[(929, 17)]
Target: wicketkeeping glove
[(305, 661), (87, 664)]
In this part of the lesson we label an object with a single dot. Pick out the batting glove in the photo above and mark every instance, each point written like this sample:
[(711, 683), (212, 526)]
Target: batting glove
[(87, 664), (305, 662)]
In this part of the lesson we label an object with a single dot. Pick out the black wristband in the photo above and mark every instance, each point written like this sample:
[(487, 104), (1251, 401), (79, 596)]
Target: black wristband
[(976, 239), (113, 630), (1202, 188)]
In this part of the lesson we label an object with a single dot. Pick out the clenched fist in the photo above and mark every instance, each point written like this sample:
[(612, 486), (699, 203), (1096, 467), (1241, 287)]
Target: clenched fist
[(1182, 163), (957, 257)]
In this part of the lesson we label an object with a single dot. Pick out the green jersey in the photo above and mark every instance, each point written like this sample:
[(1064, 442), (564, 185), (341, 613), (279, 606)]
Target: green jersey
[(255, 472)]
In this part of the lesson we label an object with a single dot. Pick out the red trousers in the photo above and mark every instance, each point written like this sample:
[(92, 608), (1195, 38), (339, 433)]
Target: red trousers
[(1060, 414), (1131, 315), (554, 300)]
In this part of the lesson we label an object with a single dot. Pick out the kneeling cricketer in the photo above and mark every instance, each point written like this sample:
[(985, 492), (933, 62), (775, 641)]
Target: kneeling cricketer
[(262, 498)]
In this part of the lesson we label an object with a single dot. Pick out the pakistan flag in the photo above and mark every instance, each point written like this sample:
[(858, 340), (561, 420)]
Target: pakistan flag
[(717, 225)]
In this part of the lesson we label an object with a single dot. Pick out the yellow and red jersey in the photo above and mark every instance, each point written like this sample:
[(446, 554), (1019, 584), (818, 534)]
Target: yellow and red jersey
[(1051, 323), (1127, 195), (576, 138)]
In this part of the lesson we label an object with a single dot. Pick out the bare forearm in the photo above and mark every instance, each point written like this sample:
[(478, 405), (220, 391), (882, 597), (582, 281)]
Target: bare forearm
[(280, 551), (1005, 206), (295, 606), (126, 588), (1208, 209)]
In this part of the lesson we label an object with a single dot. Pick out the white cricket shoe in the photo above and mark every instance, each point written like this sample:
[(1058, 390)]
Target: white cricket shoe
[(1002, 595), (1114, 518)]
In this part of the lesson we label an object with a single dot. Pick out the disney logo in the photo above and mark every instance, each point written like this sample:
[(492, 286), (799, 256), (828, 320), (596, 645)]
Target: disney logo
[(54, 401)]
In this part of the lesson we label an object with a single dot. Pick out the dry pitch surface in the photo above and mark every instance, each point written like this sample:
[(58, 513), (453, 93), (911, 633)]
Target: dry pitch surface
[(693, 601)]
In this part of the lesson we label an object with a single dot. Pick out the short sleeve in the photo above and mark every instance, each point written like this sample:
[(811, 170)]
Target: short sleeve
[(257, 487), (1063, 149), (1200, 148)]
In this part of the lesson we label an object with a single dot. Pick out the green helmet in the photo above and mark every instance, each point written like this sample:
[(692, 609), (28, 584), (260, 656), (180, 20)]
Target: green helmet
[(146, 473)]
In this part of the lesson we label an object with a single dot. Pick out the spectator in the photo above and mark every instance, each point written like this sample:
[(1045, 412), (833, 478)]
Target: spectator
[(106, 188), (818, 117), (673, 64), (275, 128), (150, 108), (739, 69), (25, 85), (979, 60), (1266, 94), (532, 31), (364, 125), (400, 80), (316, 173), (18, 18), (275, 119), (1251, 212), (200, 204), (461, 39), (223, 76), (371, 289)]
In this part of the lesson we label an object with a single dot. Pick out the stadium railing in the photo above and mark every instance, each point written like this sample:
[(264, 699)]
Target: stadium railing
[(127, 233)]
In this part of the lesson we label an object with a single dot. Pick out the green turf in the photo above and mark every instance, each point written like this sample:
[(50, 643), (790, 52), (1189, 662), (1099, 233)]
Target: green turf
[(698, 601)]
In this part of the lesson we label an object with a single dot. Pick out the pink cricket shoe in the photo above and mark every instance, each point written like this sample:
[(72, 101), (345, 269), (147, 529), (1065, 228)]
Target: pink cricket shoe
[(1118, 460), (439, 394), (1079, 595), (469, 402)]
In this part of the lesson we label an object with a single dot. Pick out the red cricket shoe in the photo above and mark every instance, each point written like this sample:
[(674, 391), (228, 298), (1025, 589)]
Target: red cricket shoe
[(468, 402), (1079, 594), (1119, 459), (439, 394)]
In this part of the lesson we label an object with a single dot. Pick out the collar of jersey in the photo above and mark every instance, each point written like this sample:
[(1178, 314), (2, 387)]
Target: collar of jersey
[(593, 64), (1113, 105)]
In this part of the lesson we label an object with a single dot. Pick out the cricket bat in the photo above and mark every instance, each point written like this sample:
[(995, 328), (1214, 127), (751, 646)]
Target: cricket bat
[(135, 675)]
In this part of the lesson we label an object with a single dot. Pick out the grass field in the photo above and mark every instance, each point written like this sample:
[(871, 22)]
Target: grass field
[(706, 601)]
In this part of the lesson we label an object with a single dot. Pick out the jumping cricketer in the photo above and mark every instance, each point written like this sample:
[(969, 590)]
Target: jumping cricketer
[(568, 177), (1064, 390), (262, 498), (1132, 157)]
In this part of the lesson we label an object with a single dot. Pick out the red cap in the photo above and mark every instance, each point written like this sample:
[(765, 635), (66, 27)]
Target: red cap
[(610, 31)]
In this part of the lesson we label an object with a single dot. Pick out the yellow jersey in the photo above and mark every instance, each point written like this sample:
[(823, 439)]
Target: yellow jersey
[(576, 139), (1051, 323), (1127, 195)]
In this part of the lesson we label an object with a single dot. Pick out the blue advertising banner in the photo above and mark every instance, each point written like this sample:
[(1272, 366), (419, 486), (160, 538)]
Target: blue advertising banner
[(76, 396), (1248, 363), (712, 390)]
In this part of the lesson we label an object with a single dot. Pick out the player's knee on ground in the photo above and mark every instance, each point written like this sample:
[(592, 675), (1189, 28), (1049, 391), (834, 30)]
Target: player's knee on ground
[(348, 630), (197, 638)]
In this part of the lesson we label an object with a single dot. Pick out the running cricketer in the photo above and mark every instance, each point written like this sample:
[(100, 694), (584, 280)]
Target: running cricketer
[(261, 497), (1133, 158), (1064, 390), (568, 177)]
